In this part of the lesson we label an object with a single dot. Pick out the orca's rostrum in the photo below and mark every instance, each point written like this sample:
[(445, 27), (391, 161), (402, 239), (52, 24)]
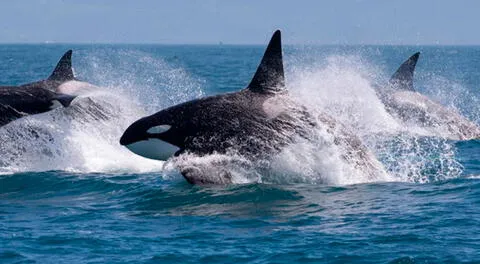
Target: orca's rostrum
[(255, 122)]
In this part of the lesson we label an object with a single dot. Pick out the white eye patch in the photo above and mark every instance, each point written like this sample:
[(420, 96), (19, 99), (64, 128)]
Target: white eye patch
[(159, 129)]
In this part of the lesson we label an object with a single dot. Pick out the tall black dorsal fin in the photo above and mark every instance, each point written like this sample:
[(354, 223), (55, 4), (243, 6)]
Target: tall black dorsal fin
[(403, 78), (269, 77), (63, 72)]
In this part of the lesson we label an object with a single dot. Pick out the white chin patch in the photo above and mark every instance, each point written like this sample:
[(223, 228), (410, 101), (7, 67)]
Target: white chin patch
[(153, 148)]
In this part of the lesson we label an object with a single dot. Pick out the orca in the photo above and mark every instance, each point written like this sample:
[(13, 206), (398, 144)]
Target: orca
[(402, 101), (37, 97), (63, 80), (255, 122)]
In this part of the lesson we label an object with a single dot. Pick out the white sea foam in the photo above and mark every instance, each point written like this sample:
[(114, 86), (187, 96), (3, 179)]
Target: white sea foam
[(345, 88), (84, 137)]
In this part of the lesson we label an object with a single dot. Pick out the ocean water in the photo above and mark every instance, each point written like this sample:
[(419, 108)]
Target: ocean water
[(70, 193)]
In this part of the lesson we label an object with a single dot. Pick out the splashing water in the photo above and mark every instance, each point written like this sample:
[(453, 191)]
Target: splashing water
[(152, 82), (341, 89), (344, 89), (453, 95), (84, 137)]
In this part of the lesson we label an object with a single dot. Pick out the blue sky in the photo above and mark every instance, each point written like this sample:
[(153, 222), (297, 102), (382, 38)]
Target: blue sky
[(241, 22)]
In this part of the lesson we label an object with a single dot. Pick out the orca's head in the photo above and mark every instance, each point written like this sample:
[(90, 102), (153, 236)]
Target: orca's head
[(167, 132), (150, 138)]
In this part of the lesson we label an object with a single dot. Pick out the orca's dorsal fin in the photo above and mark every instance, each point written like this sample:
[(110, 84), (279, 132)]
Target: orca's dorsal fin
[(269, 77), (402, 79), (63, 72)]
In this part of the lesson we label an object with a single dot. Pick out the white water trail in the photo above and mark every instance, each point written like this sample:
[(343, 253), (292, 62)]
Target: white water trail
[(345, 88), (84, 137)]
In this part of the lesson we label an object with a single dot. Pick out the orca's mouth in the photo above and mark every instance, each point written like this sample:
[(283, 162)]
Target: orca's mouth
[(134, 133), (125, 140), (146, 144), (138, 132)]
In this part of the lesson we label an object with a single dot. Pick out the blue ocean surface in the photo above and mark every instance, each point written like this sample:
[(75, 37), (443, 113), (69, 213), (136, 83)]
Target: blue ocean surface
[(69, 193)]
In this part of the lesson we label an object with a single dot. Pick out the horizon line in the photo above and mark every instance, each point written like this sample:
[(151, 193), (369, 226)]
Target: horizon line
[(234, 44)]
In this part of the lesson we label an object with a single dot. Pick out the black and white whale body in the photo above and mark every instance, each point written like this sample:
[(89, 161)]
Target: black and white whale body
[(62, 80), (37, 97), (255, 122), (404, 102)]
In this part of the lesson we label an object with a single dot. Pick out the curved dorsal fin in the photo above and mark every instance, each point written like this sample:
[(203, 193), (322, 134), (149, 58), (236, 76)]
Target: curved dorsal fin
[(63, 71), (403, 78), (269, 77)]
